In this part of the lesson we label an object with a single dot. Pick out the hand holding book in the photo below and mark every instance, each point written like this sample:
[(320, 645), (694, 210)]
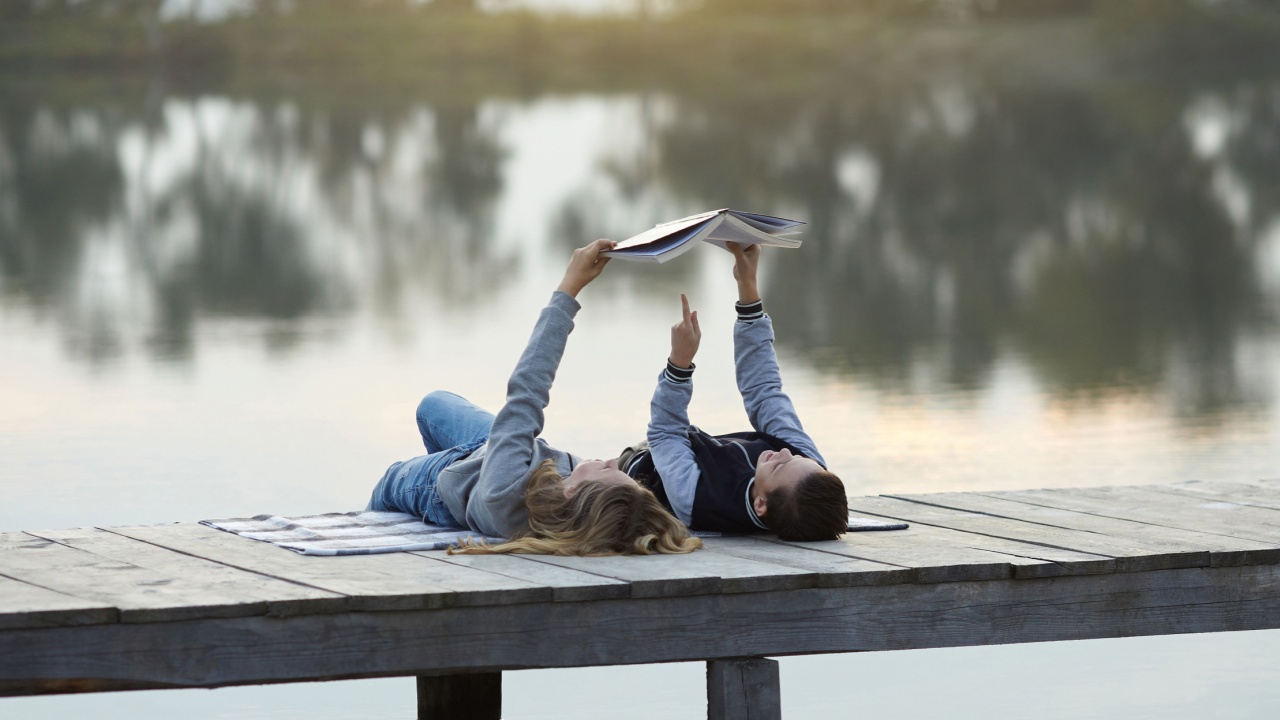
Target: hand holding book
[(585, 265)]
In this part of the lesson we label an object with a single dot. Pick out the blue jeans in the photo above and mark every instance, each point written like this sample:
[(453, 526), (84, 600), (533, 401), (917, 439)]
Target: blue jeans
[(451, 428)]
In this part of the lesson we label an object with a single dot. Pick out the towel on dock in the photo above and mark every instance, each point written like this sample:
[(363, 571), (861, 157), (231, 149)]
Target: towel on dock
[(353, 533), (365, 533)]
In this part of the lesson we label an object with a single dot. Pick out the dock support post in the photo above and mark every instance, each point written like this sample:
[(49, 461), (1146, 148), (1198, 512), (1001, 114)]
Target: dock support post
[(464, 696), (743, 689)]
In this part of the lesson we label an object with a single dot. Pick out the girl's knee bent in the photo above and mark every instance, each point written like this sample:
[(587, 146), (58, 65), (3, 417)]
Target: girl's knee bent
[(435, 403)]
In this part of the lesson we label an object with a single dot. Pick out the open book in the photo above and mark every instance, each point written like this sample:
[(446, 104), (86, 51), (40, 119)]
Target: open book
[(671, 239)]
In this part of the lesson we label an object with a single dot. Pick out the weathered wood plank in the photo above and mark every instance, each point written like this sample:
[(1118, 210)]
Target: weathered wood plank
[(566, 585), (23, 605), (392, 581), (280, 597), (942, 555), (743, 689), (693, 574), (140, 594), (465, 696), (1223, 551), (260, 649), (1130, 555), (1141, 505), (833, 570), (1264, 496)]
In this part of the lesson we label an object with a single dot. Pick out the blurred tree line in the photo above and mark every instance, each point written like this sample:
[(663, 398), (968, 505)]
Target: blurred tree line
[(406, 41), (978, 176)]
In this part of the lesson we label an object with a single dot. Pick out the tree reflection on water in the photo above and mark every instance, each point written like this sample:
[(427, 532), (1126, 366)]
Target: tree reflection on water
[(1104, 254), (1104, 219), (223, 208)]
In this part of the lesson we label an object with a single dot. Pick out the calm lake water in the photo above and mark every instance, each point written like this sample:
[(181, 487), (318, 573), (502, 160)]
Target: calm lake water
[(1036, 257)]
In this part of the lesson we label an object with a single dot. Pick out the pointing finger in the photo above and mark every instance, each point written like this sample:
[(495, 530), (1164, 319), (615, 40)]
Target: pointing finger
[(684, 305)]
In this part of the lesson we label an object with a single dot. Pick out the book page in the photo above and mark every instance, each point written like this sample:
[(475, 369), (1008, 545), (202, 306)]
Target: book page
[(735, 229), (718, 227), (695, 216), (659, 232), (768, 223), (659, 246), (666, 248)]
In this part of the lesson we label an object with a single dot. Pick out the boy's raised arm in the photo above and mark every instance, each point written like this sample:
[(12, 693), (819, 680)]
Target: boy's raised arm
[(756, 365)]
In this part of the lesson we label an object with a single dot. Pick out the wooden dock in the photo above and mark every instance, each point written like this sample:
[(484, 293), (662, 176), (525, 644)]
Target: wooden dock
[(182, 605)]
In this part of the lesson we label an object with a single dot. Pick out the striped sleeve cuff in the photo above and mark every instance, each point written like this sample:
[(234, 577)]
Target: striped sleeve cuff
[(748, 312), (677, 374)]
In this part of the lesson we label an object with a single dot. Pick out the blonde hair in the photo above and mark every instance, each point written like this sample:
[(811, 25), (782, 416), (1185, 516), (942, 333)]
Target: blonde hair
[(600, 519)]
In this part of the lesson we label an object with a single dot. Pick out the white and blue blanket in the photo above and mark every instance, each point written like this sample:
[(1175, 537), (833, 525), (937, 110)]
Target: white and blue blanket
[(365, 533)]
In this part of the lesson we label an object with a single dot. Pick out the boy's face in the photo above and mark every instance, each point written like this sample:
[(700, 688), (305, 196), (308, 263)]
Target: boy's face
[(779, 470)]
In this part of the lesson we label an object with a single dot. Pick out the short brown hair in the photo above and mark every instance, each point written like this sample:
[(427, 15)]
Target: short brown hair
[(817, 509)]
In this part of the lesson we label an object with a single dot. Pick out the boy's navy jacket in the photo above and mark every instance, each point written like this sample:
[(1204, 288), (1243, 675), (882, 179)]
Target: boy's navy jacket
[(722, 498), (706, 479)]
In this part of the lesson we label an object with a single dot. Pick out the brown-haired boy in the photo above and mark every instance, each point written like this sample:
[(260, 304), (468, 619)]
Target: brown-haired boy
[(772, 478)]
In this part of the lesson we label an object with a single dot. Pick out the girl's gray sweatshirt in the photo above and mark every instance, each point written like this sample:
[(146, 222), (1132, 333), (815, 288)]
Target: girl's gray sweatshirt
[(485, 490)]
